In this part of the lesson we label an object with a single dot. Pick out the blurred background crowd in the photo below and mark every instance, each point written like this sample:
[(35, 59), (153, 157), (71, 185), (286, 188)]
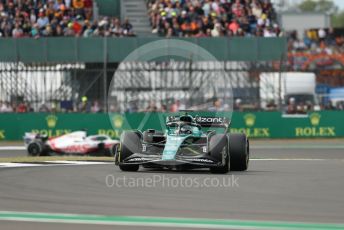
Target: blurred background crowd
[(326, 41), (313, 48), (213, 18), (56, 18)]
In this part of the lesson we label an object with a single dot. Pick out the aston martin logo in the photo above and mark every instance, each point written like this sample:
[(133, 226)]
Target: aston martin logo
[(315, 118), (250, 119), (117, 121), (51, 121)]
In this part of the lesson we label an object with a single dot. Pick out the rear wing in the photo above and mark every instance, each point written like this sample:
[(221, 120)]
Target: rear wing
[(218, 122), (29, 137)]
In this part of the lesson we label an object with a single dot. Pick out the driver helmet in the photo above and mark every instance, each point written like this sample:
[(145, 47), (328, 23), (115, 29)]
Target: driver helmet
[(186, 129)]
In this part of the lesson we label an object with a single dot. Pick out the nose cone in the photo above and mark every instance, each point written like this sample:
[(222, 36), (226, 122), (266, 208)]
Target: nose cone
[(171, 147)]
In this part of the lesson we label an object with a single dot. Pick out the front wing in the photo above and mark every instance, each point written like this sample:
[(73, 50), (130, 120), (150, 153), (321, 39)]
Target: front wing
[(189, 153), (142, 159)]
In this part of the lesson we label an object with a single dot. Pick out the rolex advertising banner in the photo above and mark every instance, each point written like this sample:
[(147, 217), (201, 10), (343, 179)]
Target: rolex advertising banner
[(324, 124)]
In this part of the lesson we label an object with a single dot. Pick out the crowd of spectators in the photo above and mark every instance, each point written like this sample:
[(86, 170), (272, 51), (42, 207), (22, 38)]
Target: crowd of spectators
[(331, 106), (213, 18), (47, 18), (7, 107), (84, 106), (326, 41)]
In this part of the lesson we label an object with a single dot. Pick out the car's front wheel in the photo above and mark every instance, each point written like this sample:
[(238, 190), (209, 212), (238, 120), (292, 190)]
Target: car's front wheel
[(239, 149), (130, 144), (218, 146), (129, 168)]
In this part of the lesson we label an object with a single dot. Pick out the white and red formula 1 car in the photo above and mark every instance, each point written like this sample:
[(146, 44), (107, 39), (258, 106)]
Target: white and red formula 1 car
[(75, 143)]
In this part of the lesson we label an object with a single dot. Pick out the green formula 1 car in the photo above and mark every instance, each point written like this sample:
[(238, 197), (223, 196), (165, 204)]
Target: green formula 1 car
[(188, 143)]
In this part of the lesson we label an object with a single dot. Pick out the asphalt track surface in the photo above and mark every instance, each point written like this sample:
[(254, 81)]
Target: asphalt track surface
[(283, 183)]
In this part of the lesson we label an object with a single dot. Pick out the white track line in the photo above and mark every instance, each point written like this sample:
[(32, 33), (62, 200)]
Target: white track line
[(288, 159), (291, 146), (334, 146), (17, 165), (51, 163), (80, 162), (12, 148)]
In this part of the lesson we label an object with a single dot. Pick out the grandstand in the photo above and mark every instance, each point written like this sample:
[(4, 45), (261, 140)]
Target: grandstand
[(213, 18), (39, 72), (52, 18)]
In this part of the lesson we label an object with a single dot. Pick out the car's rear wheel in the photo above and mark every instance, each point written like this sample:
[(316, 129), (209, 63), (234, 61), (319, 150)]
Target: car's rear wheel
[(130, 144), (239, 150), (35, 148), (108, 153), (218, 147), (103, 151)]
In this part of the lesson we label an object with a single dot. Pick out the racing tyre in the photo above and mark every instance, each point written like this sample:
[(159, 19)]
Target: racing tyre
[(218, 146), (35, 148), (105, 151), (239, 150), (114, 151), (130, 143), (102, 151), (109, 153)]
